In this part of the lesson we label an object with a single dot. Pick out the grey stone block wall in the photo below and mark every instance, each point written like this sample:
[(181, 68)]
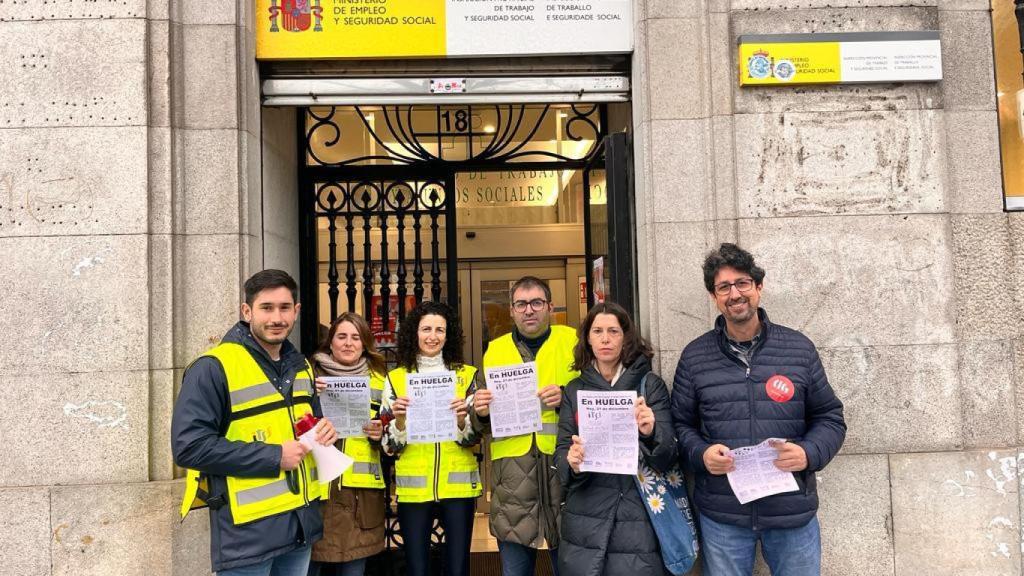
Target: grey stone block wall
[(129, 187), (877, 212)]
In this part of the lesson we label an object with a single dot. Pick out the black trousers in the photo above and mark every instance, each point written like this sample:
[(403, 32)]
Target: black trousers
[(416, 522)]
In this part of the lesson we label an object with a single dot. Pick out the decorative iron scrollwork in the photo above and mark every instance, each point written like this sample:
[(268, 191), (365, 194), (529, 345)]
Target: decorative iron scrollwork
[(404, 140)]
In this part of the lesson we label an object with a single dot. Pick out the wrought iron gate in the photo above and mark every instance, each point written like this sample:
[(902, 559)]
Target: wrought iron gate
[(367, 210)]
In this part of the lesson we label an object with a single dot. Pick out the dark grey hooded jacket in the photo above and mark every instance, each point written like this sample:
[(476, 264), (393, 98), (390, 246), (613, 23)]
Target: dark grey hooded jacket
[(197, 441), (605, 527)]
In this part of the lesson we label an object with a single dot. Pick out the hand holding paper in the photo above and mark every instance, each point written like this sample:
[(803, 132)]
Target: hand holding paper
[(330, 462), (374, 430), (575, 456), (644, 417), (551, 395), (755, 475), (458, 406), (400, 408), (792, 457), (482, 402), (718, 459)]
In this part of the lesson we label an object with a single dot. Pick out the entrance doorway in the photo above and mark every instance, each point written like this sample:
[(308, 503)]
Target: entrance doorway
[(454, 203), (396, 200)]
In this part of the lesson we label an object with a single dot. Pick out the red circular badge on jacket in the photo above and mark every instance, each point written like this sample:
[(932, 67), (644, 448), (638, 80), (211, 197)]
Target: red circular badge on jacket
[(779, 388)]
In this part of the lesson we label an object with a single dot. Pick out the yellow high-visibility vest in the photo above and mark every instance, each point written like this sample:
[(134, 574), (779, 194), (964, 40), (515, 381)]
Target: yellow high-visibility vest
[(259, 413), (554, 366), (428, 472), (366, 471)]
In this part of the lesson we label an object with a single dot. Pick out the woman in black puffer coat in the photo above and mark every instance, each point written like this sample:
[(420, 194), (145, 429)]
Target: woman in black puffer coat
[(605, 527)]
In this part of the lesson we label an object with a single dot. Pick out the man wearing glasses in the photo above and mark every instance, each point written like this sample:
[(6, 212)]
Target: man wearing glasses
[(743, 382), (526, 493)]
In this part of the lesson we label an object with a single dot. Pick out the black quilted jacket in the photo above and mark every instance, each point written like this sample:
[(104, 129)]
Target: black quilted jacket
[(716, 399), (605, 527)]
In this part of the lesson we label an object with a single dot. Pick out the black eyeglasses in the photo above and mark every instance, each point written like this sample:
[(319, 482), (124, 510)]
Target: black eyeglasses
[(536, 304), (744, 285)]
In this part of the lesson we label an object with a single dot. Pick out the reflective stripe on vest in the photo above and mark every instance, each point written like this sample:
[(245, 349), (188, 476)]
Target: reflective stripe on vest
[(464, 477), (411, 481), (365, 468), (265, 492), (239, 397), (259, 413), (303, 385), (366, 471), (554, 366), (427, 472)]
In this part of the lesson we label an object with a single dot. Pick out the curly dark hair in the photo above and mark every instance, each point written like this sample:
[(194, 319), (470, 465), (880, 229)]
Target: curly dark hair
[(633, 344), (408, 339), (732, 256)]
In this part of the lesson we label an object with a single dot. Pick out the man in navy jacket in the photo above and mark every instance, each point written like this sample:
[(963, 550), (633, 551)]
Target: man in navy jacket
[(743, 382)]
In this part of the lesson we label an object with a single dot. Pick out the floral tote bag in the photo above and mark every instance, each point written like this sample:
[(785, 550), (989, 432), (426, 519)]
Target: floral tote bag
[(664, 496)]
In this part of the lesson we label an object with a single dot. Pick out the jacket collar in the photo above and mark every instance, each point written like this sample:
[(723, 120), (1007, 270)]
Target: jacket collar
[(518, 337), (761, 314), (629, 380), (723, 338)]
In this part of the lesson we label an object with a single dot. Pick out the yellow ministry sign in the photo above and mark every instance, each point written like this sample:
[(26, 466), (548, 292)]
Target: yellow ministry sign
[(322, 29), (290, 29), (840, 58)]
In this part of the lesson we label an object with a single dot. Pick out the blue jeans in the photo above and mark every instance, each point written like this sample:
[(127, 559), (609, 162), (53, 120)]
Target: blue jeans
[(294, 563), (352, 568), (729, 550), (519, 560)]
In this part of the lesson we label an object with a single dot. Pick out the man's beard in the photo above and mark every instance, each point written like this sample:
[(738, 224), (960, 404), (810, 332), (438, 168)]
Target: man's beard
[(260, 332), (740, 317)]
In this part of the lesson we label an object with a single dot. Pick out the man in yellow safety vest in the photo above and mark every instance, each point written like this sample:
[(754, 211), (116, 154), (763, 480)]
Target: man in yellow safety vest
[(234, 430), (526, 493)]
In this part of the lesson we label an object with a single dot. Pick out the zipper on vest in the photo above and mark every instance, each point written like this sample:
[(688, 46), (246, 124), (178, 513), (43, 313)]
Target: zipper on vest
[(437, 469), (305, 487), (302, 466)]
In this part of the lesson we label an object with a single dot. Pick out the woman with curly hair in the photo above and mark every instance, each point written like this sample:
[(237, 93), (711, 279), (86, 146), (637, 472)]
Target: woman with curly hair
[(605, 525), (441, 476), (354, 513)]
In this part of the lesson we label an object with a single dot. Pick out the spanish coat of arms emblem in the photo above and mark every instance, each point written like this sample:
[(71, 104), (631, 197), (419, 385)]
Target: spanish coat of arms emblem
[(296, 15)]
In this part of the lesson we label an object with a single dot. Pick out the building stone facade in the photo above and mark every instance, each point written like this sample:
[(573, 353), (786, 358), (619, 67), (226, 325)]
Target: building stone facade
[(133, 204)]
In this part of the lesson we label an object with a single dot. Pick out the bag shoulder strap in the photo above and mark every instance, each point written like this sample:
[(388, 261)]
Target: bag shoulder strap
[(643, 385)]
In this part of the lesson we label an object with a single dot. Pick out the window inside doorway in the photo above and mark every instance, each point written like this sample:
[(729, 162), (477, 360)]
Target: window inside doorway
[(494, 134), (507, 142)]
